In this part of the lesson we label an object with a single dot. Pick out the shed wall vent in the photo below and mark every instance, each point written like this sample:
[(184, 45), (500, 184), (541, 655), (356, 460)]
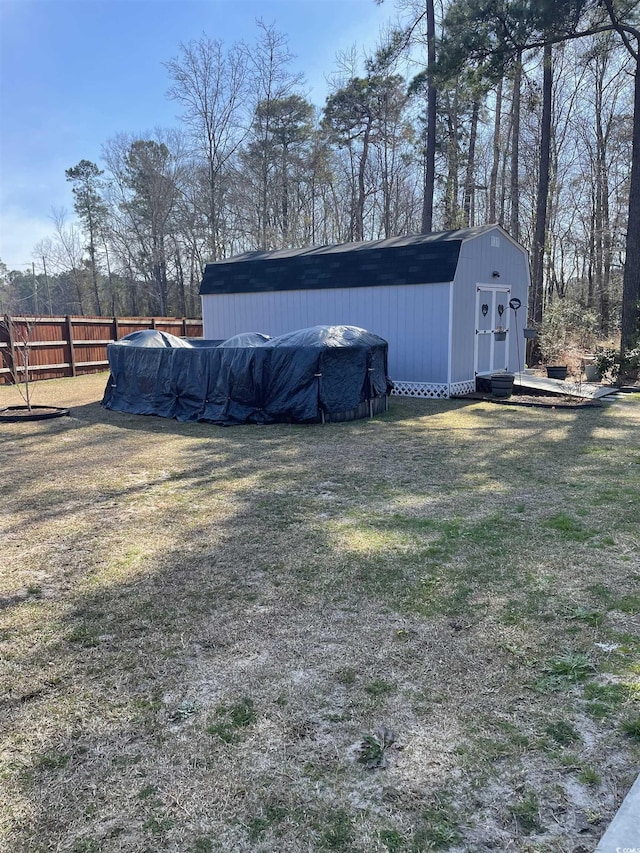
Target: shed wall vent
[(495, 242)]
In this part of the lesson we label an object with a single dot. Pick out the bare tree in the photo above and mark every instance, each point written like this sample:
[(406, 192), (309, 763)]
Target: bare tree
[(146, 175), (271, 80), (212, 85), (16, 353), (67, 254)]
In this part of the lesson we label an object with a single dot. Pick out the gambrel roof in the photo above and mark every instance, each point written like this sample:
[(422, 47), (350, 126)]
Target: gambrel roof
[(422, 259)]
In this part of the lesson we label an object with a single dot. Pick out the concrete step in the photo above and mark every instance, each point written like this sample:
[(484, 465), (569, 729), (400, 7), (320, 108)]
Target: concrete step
[(623, 833)]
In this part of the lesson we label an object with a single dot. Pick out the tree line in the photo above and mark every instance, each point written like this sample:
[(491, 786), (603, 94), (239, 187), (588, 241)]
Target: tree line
[(510, 111)]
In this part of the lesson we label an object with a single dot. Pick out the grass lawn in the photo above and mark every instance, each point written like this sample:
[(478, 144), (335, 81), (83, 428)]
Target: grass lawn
[(416, 633)]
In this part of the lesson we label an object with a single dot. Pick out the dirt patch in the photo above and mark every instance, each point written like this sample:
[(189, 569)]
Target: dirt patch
[(544, 401)]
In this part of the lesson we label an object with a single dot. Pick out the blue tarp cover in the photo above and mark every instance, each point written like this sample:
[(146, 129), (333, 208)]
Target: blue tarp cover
[(249, 378)]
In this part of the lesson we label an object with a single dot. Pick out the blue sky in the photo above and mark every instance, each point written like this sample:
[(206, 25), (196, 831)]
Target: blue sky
[(74, 73)]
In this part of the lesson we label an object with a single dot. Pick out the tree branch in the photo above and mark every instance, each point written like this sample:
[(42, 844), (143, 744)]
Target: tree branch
[(624, 30)]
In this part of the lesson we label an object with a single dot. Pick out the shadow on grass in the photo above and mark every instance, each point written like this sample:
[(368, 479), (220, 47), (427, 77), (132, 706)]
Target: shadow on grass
[(185, 564)]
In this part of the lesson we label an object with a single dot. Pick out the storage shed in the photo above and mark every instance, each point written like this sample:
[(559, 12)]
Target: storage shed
[(452, 305)]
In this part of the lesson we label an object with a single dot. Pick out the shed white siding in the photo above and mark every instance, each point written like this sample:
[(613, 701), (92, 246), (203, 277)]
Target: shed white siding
[(414, 319), (431, 328), (479, 258)]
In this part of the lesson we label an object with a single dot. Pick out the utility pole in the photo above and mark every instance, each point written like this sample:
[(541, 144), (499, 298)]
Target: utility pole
[(46, 282), (35, 287)]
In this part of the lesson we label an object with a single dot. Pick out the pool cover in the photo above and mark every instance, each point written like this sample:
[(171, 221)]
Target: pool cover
[(303, 376)]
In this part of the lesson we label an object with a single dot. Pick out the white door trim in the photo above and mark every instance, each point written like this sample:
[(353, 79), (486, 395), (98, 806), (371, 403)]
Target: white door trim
[(493, 289)]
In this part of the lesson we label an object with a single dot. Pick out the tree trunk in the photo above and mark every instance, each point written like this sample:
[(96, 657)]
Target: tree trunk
[(359, 223), (495, 164), (112, 292), (470, 180), (536, 294), (430, 146), (192, 287), (606, 252), (264, 186), (353, 195), (591, 254), (514, 223), (181, 287), (600, 220), (213, 212), (631, 278), (285, 199), (386, 183), (451, 187), (94, 271)]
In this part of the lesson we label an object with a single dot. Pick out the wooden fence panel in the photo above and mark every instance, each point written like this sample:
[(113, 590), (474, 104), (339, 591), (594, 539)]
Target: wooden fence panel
[(69, 346)]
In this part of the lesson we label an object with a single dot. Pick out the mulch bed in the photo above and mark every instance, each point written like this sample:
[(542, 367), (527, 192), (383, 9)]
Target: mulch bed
[(15, 414), (543, 401)]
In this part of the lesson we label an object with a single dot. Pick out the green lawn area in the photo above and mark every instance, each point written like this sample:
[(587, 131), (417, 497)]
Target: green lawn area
[(200, 627)]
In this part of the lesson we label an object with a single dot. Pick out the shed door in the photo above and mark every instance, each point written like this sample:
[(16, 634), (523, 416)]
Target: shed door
[(492, 313)]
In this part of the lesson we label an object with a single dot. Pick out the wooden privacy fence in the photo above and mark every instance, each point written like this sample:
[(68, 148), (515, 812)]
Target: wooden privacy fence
[(71, 346)]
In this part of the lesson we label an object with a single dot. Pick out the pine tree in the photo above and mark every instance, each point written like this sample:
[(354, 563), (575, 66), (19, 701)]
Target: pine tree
[(92, 211)]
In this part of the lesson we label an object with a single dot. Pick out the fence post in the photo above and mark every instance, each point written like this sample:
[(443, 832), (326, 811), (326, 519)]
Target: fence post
[(153, 322), (116, 330), (72, 355), (12, 348), (184, 327)]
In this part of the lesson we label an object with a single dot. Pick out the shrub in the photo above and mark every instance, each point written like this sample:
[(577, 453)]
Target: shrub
[(617, 367), (566, 322)]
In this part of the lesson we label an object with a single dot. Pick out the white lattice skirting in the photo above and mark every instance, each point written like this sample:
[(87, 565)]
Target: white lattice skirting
[(420, 389), (433, 390), (458, 389)]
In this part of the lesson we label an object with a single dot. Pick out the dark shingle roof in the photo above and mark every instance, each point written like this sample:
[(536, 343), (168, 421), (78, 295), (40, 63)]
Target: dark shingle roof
[(423, 259)]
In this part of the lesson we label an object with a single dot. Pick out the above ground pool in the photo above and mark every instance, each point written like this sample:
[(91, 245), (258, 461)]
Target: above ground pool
[(325, 373)]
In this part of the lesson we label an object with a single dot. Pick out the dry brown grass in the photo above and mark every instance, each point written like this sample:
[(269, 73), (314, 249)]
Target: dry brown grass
[(199, 625)]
